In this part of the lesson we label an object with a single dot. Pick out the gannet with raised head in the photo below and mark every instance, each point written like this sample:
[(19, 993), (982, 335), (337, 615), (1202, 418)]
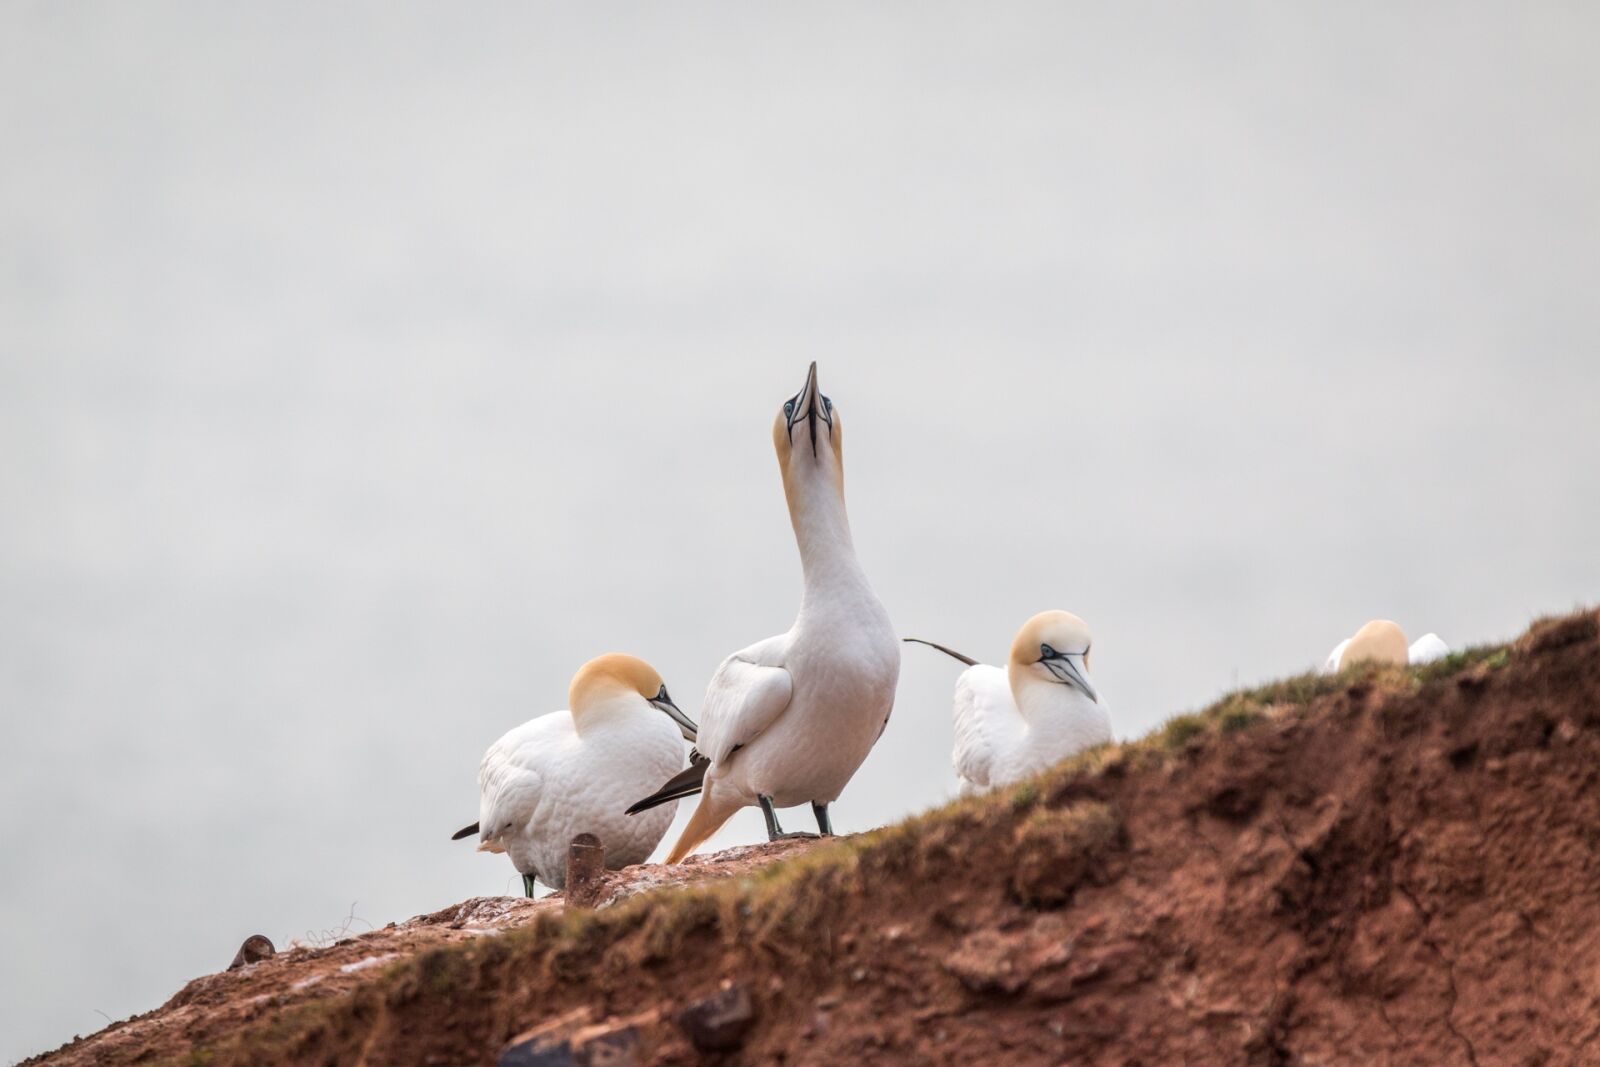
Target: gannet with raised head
[(788, 720), (572, 772), (1382, 641), (1040, 709)]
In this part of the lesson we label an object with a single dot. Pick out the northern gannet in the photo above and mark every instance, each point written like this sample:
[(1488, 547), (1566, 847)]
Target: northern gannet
[(788, 720), (1381, 641), (1042, 708), (571, 772)]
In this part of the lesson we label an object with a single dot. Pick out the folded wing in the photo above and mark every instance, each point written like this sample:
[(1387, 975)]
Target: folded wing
[(1332, 665), (987, 723), (511, 778), (744, 698), (1428, 648)]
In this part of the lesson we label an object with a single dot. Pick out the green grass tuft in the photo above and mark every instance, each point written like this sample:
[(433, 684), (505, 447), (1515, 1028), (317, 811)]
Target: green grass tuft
[(1233, 719), (1177, 732)]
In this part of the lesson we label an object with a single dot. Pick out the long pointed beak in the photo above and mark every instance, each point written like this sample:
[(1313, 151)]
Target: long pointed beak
[(808, 391), (1069, 667), (686, 725), (808, 405), (812, 404)]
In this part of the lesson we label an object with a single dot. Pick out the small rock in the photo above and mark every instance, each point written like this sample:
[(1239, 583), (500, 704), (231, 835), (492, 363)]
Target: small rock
[(615, 1046), (546, 1045), (983, 962), (570, 1041), (537, 1053), (720, 1022), (256, 947)]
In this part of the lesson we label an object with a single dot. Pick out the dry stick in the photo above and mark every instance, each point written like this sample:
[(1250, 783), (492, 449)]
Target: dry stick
[(586, 871)]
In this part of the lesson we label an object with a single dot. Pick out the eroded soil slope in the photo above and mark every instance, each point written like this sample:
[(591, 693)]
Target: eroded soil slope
[(1389, 867)]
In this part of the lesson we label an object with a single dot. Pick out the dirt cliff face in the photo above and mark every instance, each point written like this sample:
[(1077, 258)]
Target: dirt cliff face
[(1397, 866)]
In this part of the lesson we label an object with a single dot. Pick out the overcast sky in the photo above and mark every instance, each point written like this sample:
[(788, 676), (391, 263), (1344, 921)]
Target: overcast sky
[(365, 370)]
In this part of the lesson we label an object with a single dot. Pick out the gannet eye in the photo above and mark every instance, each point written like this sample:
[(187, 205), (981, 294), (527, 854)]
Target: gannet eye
[(827, 405), (1046, 652), (788, 408)]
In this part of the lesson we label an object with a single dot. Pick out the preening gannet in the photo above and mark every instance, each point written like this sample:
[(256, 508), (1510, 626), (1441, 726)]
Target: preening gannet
[(788, 720), (1381, 641), (572, 772), (1039, 710)]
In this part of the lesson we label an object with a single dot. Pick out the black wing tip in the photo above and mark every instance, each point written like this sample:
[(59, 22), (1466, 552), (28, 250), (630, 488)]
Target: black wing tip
[(465, 831), (952, 653), (655, 800), (686, 783)]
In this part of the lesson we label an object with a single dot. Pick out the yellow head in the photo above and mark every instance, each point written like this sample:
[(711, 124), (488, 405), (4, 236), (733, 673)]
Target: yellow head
[(1379, 641), (1053, 646), (809, 437), (606, 678)]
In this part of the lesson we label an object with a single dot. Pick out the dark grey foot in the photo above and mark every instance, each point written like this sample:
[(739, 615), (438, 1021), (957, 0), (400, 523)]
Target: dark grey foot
[(774, 831), (824, 824), (527, 885)]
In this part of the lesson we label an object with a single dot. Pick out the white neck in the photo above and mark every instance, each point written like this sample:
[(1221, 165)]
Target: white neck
[(822, 532), (1036, 698), (607, 709)]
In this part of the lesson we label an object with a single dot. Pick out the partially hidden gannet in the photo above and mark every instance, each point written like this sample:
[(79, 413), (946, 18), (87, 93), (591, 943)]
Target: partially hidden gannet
[(573, 772), (788, 720), (1382, 641), (1037, 711)]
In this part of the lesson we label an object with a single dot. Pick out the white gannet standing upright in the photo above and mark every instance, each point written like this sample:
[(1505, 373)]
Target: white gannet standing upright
[(1013, 723), (571, 772), (1382, 641), (788, 720)]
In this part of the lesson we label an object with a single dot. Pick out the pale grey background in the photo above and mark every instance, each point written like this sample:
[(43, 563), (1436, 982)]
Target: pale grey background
[(363, 370)]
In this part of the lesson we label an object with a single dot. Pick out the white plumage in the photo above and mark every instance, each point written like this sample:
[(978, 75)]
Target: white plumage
[(573, 772), (1428, 648), (788, 720), (1382, 641), (1040, 709)]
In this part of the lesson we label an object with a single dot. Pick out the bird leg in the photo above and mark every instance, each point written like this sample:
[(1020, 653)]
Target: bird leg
[(824, 824), (527, 885), (774, 831)]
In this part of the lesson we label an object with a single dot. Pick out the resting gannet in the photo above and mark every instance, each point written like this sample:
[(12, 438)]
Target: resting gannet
[(1381, 641), (1042, 708), (788, 720), (571, 772)]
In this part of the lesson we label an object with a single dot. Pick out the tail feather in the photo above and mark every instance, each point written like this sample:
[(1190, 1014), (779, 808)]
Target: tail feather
[(686, 783), (709, 815), (465, 831), (968, 660)]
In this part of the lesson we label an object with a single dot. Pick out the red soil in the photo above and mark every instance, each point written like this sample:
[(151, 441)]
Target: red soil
[(1405, 870)]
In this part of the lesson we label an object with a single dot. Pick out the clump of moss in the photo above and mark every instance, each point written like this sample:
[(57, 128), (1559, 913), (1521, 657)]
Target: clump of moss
[(1024, 797), (1496, 656), (1180, 730), (1058, 850), (1238, 717)]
